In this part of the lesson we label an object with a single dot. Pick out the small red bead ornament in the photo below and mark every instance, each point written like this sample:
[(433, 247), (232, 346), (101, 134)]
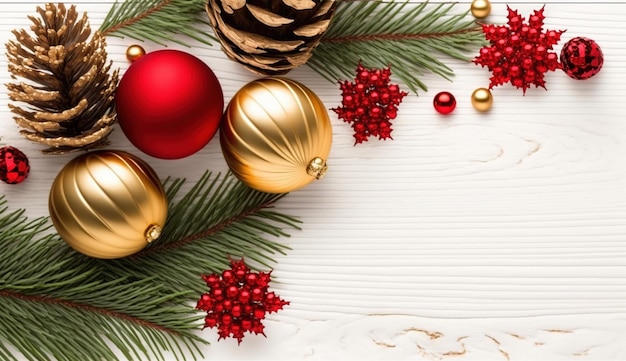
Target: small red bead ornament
[(14, 166), (238, 300), (519, 53), (370, 103), (581, 58), (444, 102), (169, 104)]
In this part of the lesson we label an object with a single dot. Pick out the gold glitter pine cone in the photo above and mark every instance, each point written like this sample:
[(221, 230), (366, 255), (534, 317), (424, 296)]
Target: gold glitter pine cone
[(270, 37), (67, 86)]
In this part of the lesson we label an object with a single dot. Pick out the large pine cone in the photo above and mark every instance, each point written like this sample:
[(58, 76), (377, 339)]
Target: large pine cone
[(270, 37), (68, 90)]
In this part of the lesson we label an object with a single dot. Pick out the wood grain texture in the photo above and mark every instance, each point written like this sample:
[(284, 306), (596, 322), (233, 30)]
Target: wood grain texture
[(497, 236)]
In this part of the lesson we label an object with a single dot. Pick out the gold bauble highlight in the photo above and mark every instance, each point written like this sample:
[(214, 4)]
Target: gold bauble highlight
[(276, 135), (107, 204), (480, 8), (482, 99)]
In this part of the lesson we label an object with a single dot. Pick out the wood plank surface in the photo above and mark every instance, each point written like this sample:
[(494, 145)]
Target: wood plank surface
[(496, 236)]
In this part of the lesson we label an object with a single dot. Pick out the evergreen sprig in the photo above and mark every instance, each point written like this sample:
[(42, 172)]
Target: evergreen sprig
[(218, 218), (158, 21), (408, 36), (60, 305)]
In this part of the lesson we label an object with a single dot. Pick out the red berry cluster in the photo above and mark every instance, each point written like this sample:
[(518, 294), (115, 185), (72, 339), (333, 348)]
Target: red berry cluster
[(238, 300), (519, 53), (369, 103)]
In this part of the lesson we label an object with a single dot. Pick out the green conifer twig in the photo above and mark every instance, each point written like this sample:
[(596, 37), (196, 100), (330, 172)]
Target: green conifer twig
[(58, 304), (158, 21), (410, 37)]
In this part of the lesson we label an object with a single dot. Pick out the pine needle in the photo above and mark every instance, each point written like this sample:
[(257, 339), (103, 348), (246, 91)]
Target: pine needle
[(60, 305), (408, 36), (159, 21)]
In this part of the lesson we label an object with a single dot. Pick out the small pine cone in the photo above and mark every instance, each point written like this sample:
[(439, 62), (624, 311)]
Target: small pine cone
[(270, 37), (68, 88)]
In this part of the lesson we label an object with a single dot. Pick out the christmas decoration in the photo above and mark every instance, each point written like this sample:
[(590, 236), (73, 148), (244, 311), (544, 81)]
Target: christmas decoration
[(238, 300), (370, 103), (480, 8), (412, 31), (444, 102), (519, 53), (169, 104), (138, 306), (276, 135), (14, 166), (270, 37), (107, 204), (482, 99), (68, 89), (134, 52), (581, 58)]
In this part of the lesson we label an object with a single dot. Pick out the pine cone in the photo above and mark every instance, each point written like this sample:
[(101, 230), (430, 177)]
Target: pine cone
[(270, 37), (69, 91)]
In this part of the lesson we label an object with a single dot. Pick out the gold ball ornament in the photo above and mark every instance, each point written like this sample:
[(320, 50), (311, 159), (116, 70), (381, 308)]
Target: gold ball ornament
[(107, 204), (482, 99), (276, 135), (480, 8), (134, 52)]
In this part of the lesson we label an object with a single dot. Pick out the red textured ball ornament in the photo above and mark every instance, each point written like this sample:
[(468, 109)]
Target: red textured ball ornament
[(444, 102), (581, 58), (14, 166), (169, 104)]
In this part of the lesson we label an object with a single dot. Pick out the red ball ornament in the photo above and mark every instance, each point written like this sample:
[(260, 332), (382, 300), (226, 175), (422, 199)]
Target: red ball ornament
[(444, 102), (14, 166), (581, 58), (169, 104)]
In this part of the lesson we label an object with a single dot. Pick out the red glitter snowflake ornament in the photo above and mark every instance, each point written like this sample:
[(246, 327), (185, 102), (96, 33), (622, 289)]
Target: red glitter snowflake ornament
[(238, 300), (370, 103), (519, 53)]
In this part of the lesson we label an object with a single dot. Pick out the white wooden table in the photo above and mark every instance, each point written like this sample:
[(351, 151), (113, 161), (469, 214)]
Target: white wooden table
[(497, 236)]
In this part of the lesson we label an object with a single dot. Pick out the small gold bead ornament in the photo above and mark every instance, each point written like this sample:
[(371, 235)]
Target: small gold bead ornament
[(482, 99), (481, 8), (134, 52)]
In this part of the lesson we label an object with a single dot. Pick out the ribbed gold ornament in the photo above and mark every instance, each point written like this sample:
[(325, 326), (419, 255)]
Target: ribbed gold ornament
[(107, 204), (276, 135)]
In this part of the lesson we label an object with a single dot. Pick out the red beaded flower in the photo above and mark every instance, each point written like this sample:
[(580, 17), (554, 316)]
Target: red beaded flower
[(519, 53), (369, 103), (238, 300)]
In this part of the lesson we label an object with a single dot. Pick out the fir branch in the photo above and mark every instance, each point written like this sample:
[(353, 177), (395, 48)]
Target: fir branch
[(158, 21), (218, 218), (58, 304), (405, 35)]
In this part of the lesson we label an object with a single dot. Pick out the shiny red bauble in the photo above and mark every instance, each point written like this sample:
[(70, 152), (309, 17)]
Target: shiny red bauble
[(581, 58), (14, 166), (444, 102), (169, 104)]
